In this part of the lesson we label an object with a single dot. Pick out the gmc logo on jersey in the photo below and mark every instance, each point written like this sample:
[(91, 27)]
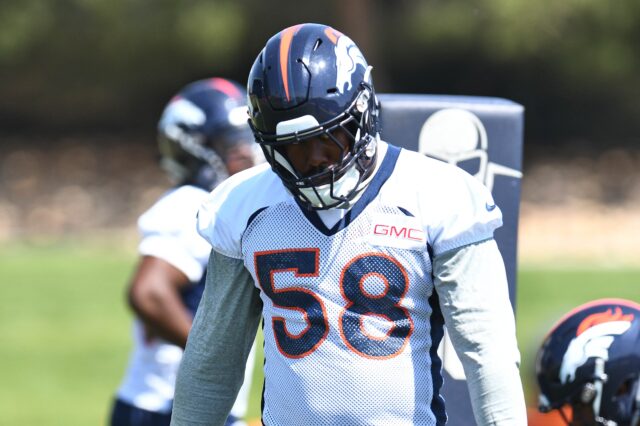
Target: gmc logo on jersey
[(403, 232)]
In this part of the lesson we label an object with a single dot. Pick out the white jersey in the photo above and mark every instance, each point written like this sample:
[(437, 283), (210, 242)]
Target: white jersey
[(169, 233), (351, 319)]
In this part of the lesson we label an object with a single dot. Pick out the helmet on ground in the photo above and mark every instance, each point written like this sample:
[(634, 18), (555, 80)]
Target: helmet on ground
[(310, 80), (591, 359), (201, 131)]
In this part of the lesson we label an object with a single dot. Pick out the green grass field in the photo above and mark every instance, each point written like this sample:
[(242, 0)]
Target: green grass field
[(64, 326)]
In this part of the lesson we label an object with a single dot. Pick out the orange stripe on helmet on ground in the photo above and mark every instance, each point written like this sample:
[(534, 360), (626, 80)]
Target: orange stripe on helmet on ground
[(599, 302)]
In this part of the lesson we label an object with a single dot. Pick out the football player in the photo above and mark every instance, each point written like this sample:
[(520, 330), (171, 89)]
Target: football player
[(203, 137), (355, 253), (588, 367)]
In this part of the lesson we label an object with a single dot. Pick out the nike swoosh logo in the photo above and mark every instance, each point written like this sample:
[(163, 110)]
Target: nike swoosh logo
[(490, 207)]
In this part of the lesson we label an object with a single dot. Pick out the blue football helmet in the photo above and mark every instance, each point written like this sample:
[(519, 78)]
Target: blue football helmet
[(591, 358), (198, 128), (311, 80)]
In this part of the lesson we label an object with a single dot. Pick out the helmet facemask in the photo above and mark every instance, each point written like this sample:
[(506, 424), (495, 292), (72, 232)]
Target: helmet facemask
[(338, 185), (187, 158)]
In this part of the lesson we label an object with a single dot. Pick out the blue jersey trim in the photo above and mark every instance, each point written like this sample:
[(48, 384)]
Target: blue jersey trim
[(430, 252), (437, 332), (254, 215), (192, 294), (406, 212), (370, 193), (264, 380)]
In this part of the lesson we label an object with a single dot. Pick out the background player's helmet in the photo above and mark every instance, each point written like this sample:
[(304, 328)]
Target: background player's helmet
[(310, 80), (592, 356), (199, 127)]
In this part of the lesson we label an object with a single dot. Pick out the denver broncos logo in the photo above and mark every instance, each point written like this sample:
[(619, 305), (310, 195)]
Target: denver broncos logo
[(348, 56), (594, 336), (183, 111)]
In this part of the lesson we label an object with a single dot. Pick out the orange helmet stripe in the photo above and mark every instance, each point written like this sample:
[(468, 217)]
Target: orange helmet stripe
[(285, 46), (332, 35), (225, 86)]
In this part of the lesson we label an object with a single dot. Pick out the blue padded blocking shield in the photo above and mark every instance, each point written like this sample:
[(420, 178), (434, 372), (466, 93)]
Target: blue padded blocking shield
[(483, 136)]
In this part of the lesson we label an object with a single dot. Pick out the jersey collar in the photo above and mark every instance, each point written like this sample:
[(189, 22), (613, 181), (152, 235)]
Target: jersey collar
[(382, 174)]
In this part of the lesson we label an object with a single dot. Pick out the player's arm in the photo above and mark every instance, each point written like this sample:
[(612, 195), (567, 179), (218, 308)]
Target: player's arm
[(154, 294), (224, 329), (473, 292)]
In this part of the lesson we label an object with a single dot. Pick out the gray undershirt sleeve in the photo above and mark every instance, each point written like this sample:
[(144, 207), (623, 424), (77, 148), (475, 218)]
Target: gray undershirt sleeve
[(224, 328), (474, 297)]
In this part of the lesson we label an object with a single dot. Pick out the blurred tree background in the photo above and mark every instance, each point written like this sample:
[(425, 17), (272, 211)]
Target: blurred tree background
[(76, 65), (83, 83)]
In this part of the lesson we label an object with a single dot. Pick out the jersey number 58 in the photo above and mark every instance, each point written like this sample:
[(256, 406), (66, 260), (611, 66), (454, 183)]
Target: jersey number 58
[(359, 303)]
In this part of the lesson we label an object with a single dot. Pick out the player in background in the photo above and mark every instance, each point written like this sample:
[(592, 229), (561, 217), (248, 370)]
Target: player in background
[(355, 253), (588, 367), (203, 138)]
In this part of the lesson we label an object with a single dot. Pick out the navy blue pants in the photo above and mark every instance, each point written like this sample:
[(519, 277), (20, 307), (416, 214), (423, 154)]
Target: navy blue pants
[(125, 414)]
